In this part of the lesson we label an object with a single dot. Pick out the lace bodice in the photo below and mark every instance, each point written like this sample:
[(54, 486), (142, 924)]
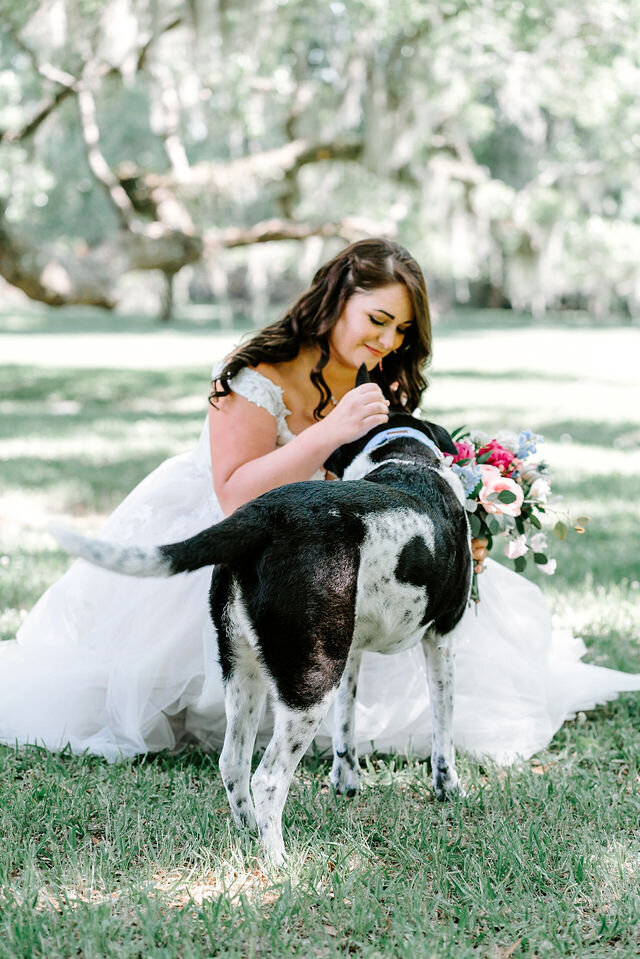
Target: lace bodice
[(262, 391)]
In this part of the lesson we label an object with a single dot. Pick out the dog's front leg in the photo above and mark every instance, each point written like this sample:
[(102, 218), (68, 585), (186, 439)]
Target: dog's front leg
[(440, 662), (345, 774)]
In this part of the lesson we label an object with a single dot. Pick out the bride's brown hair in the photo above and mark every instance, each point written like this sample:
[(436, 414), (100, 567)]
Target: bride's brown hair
[(365, 265)]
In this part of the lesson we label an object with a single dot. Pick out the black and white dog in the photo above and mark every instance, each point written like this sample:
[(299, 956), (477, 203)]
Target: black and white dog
[(306, 577)]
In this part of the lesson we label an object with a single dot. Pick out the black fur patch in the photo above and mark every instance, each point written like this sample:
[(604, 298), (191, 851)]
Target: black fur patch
[(414, 562)]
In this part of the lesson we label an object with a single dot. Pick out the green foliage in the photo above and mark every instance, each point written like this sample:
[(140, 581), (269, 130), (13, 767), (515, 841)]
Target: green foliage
[(500, 140)]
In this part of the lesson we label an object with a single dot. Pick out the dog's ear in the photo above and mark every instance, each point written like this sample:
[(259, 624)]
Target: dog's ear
[(363, 376), (340, 458), (442, 438)]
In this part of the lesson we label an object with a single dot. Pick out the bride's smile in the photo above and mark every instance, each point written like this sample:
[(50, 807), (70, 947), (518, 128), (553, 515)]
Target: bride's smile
[(372, 325)]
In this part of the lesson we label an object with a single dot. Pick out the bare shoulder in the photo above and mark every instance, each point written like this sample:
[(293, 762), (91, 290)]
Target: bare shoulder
[(285, 375)]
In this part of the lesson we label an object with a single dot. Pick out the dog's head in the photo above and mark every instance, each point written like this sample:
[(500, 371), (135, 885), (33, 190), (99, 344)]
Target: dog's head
[(345, 455)]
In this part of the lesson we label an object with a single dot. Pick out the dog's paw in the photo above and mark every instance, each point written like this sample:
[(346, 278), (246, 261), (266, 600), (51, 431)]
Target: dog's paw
[(447, 793), (244, 815), (345, 774), (270, 834), (445, 781), (275, 858)]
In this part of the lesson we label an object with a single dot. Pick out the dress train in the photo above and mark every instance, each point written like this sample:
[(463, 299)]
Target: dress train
[(119, 666)]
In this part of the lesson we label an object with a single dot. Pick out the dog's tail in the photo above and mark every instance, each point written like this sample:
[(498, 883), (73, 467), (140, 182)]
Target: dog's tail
[(225, 542)]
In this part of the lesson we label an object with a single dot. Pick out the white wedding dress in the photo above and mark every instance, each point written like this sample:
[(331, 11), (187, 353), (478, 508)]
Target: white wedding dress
[(119, 666)]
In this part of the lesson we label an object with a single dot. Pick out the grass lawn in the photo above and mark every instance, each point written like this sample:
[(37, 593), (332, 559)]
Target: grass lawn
[(139, 859)]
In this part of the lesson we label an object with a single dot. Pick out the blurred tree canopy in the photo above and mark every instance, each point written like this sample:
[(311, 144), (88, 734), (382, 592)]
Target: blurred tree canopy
[(497, 139)]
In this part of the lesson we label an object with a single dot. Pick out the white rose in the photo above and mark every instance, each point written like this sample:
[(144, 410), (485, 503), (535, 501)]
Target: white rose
[(549, 568), (540, 490), (530, 473), (509, 440), (516, 547), (478, 437), (538, 543)]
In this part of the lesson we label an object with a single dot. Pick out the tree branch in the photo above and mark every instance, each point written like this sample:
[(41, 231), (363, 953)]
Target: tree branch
[(68, 83), (61, 279), (43, 110), (265, 166), (169, 24), (95, 158), (266, 231)]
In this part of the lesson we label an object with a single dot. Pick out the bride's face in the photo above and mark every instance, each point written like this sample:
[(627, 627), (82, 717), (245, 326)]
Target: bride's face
[(372, 324)]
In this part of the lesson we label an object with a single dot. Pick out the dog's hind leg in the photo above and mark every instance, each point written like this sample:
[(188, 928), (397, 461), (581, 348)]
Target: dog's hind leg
[(345, 774), (440, 661), (245, 693), (293, 732)]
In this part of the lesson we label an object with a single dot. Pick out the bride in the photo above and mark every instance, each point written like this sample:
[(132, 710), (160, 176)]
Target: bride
[(120, 666)]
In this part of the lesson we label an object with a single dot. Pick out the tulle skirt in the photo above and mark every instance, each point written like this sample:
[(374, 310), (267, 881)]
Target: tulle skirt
[(120, 666)]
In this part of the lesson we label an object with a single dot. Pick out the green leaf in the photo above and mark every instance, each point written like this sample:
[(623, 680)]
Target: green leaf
[(476, 525), (494, 525), (535, 521), (459, 432), (540, 559), (520, 564), (484, 457), (506, 496), (520, 525), (560, 529)]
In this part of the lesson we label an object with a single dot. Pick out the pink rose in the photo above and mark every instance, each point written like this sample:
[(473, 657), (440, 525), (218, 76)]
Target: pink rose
[(465, 451), (494, 483), (500, 457)]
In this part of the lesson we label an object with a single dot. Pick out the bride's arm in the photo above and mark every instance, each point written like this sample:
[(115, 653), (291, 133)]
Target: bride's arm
[(246, 461)]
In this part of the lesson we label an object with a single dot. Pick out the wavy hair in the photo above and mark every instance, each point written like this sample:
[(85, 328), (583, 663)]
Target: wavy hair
[(365, 265)]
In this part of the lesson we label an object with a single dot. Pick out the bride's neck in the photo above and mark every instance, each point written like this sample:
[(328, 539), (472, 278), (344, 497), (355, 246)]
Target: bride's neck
[(338, 377)]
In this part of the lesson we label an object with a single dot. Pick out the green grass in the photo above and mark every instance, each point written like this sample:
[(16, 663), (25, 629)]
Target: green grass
[(140, 859)]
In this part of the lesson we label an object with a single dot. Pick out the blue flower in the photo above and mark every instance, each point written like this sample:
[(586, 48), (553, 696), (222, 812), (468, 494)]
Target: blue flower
[(528, 443), (469, 475)]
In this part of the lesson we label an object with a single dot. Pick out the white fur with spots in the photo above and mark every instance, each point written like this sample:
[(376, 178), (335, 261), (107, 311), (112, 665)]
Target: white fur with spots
[(258, 802), (345, 773), (389, 614), (129, 560)]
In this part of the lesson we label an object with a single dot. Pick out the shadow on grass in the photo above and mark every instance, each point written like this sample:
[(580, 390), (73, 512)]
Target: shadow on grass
[(82, 482), (624, 434), (59, 427), (67, 321), (604, 487), (510, 376), (226, 317), (99, 386), (454, 322)]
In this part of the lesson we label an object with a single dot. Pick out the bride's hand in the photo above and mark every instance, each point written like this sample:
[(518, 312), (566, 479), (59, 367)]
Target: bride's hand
[(479, 552), (358, 411)]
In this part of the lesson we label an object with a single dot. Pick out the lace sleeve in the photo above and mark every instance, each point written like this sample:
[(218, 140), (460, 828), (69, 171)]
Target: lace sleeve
[(263, 392)]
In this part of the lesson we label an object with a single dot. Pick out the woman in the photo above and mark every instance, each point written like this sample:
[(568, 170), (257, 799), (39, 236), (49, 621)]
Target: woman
[(120, 666)]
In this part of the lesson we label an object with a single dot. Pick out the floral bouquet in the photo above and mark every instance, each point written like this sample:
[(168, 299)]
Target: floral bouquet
[(507, 494)]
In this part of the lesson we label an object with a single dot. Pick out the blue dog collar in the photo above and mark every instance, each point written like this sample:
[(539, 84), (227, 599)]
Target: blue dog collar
[(401, 432)]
